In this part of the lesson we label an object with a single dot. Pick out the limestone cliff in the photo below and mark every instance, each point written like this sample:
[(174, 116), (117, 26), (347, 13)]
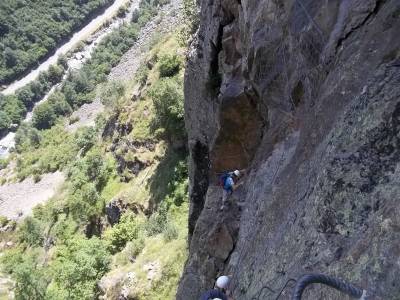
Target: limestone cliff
[(306, 96)]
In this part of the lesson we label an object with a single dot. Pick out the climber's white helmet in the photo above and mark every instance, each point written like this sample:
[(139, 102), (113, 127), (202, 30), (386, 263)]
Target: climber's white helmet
[(237, 173), (222, 282), (216, 299)]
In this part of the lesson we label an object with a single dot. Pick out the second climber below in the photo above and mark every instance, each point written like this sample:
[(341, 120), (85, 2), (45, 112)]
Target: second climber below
[(228, 181)]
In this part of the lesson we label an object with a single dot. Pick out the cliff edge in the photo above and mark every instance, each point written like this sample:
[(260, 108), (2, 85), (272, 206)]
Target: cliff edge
[(305, 95)]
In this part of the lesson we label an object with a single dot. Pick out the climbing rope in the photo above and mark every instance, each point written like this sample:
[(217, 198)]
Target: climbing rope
[(336, 283)]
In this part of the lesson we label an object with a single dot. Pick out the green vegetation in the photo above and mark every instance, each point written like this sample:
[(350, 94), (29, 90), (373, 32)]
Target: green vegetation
[(191, 21), (77, 267), (67, 246), (43, 152), (13, 107), (30, 30), (126, 230), (80, 86), (167, 95), (169, 65)]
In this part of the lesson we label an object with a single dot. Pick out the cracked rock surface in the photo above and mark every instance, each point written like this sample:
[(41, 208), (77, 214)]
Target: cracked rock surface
[(305, 95)]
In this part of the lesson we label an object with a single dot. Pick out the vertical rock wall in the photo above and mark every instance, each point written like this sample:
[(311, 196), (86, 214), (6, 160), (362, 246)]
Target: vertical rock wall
[(305, 95)]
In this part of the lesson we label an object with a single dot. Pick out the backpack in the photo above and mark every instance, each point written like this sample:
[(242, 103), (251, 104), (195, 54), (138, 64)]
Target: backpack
[(222, 178)]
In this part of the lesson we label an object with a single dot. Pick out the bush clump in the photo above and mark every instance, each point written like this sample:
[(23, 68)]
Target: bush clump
[(167, 95), (169, 65), (170, 232), (126, 230), (46, 114), (31, 232)]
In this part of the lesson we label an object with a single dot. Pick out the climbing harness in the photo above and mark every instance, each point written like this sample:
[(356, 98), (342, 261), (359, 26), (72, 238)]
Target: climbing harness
[(330, 281)]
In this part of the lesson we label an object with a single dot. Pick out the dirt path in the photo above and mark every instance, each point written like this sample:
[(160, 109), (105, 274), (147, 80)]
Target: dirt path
[(18, 199)]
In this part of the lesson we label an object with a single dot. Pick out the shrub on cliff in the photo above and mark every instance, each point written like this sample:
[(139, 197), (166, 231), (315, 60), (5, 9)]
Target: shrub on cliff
[(169, 65), (126, 230), (167, 95)]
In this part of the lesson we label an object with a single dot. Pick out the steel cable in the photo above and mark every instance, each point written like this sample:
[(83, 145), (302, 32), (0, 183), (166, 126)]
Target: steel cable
[(333, 282)]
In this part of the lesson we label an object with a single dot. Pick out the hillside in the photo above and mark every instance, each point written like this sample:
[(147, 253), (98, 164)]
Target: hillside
[(116, 227), (30, 30), (304, 95)]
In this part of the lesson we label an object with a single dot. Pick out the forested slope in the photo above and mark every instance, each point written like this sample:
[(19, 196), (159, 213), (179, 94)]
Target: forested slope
[(29, 30), (117, 227)]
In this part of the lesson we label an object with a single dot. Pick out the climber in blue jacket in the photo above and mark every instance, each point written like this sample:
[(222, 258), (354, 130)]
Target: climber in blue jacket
[(213, 294), (227, 181)]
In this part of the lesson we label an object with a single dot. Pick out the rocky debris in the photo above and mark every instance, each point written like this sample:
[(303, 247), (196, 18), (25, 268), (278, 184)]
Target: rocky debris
[(319, 87), (153, 270), (6, 144), (117, 206), (7, 286), (128, 156), (10, 226), (166, 21), (117, 284), (6, 245), (85, 115), (18, 199), (113, 212), (137, 92)]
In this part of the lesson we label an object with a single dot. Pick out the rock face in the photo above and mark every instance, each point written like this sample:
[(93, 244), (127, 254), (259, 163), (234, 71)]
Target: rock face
[(306, 96)]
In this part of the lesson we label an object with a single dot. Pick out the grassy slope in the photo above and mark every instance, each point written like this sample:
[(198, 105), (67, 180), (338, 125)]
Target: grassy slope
[(155, 184), (150, 186)]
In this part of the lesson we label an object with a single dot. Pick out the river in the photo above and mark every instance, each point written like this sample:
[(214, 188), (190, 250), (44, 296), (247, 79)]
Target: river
[(90, 32)]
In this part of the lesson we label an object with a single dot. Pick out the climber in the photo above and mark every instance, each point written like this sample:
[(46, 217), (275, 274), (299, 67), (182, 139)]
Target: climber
[(228, 184), (220, 290)]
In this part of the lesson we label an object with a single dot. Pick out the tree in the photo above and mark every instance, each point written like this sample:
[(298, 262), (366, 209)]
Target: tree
[(31, 232), (26, 137), (10, 57), (81, 81), (167, 97), (13, 107), (79, 265), (55, 74), (126, 230), (85, 202), (31, 279), (26, 95), (86, 139), (46, 114), (5, 121)]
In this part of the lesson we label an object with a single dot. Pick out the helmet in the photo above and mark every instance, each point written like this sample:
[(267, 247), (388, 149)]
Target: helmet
[(216, 299), (222, 282), (237, 173)]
